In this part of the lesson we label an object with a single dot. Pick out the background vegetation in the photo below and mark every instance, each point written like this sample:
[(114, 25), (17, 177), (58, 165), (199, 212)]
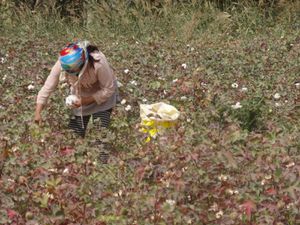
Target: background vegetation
[(231, 68)]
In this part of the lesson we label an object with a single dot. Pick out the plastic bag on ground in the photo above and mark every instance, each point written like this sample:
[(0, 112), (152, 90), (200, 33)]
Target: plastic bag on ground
[(155, 118)]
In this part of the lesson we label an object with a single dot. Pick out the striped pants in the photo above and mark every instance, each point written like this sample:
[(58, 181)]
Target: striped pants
[(103, 118)]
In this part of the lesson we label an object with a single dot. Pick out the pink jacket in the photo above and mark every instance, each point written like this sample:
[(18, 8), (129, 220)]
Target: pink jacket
[(99, 82)]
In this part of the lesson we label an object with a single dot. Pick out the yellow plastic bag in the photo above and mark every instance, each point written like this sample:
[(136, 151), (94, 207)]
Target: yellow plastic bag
[(155, 118)]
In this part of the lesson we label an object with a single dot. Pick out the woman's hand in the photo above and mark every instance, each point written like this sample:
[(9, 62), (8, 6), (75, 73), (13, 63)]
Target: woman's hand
[(77, 103), (37, 114), (83, 101), (38, 119)]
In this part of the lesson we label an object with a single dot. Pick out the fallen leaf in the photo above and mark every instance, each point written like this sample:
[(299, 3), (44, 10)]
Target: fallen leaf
[(248, 207), (11, 213), (271, 191), (66, 150)]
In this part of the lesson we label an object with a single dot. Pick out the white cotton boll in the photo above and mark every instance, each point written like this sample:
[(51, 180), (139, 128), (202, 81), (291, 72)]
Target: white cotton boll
[(183, 65), (234, 85), (219, 214), (133, 82), (175, 80), (144, 100), (66, 170), (30, 87), (268, 177), (123, 101), (128, 108), (277, 96), (244, 89), (214, 207), (290, 205), (183, 98), (237, 106), (119, 84), (223, 177), (71, 99), (230, 191), (126, 71), (290, 165), (171, 202), (51, 196), (4, 77)]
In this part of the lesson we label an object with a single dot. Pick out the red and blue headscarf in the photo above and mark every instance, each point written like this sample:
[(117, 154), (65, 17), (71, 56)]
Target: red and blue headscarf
[(73, 58)]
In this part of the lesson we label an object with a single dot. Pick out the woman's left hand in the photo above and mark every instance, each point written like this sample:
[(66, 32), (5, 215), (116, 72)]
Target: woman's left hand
[(77, 103), (83, 101)]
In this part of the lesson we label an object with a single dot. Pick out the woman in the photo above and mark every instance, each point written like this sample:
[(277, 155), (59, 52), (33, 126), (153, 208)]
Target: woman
[(91, 79)]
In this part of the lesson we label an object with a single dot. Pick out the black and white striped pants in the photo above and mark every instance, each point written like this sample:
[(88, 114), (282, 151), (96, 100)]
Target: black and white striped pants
[(76, 122)]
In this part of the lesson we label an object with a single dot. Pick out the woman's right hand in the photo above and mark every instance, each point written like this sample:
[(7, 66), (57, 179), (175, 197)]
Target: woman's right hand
[(37, 114), (38, 118)]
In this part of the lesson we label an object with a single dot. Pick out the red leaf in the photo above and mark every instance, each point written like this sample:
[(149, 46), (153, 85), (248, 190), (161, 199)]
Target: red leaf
[(139, 173), (179, 185), (271, 191), (11, 213), (248, 208), (286, 199), (66, 150)]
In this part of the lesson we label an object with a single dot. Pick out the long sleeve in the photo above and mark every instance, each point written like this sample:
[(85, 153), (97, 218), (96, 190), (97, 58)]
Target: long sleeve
[(106, 79), (50, 84)]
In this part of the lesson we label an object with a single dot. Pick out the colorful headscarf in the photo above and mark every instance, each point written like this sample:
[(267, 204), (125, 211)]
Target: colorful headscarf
[(74, 58)]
